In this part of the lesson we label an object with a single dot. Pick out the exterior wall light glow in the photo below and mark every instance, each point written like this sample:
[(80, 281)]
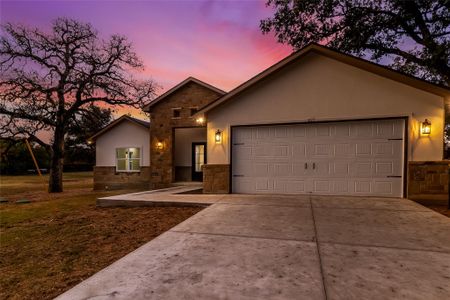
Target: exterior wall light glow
[(159, 145), (200, 120), (425, 127), (218, 137)]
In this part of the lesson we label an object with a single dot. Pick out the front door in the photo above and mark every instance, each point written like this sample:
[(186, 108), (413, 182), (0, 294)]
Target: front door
[(198, 160)]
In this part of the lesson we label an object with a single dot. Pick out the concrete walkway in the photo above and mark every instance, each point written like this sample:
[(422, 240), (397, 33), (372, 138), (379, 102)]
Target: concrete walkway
[(287, 247)]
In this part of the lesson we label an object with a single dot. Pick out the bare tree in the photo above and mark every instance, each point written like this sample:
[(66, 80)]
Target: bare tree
[(49, 78)]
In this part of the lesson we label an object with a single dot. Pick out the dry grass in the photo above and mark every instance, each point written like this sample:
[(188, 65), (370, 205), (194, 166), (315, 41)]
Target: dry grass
[(55, 242)]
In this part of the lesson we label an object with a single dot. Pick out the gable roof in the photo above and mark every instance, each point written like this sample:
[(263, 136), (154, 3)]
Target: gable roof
[(117, 122), (177, 87), (369, 66)]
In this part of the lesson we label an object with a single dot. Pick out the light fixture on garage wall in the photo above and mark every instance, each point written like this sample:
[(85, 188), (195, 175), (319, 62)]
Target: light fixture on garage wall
[(159, 145), (425, 127), (218, 137)]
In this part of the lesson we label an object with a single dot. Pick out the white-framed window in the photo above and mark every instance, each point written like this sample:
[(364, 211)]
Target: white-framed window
[(128, 159)]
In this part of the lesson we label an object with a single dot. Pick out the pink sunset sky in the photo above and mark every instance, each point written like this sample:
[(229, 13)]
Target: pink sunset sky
[(215, 41)]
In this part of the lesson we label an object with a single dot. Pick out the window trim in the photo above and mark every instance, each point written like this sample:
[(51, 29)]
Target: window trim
[(176, 109), (117, 159)]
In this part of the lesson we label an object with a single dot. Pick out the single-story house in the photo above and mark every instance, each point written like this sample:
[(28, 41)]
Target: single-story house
[(317, 122)]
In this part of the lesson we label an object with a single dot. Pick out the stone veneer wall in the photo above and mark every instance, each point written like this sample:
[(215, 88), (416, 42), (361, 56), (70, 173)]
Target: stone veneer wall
[(216, 179), (163, 125), (106, 178), (428, 180)]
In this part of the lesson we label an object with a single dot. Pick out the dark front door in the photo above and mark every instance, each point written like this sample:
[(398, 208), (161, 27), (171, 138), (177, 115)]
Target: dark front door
[(198, 160)]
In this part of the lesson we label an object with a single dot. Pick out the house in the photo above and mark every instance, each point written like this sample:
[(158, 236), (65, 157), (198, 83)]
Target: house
[(121, 154), (172, 147), (317, 122)]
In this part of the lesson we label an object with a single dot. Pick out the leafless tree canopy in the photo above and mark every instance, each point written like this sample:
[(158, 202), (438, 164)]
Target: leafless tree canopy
[(48, 79)]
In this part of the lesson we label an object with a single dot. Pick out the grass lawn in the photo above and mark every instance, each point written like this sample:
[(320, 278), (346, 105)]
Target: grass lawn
[(58, 240)]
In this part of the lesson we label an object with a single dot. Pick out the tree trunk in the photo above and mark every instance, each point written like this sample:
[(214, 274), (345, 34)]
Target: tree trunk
[(55, 184)]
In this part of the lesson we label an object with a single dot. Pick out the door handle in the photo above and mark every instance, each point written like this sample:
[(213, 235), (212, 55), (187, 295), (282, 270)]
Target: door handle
[(306, 166), (314, 165)]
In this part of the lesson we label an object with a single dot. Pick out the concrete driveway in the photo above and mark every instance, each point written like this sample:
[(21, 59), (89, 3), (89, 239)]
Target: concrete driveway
[(288, 247)]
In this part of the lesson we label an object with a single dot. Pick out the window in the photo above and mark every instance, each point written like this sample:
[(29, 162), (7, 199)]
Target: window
[(193, 110), (128, 159), (176, 113), (199, 157)]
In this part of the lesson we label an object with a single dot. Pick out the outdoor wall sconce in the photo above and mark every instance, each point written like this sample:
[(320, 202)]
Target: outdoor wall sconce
[(200, 120), (218, 137), (159, 146), (425, 127)]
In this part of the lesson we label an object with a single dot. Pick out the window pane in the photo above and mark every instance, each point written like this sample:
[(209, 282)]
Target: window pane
[(121, 152), (199, 157), (121, 165), (134, 153), (134, 165)]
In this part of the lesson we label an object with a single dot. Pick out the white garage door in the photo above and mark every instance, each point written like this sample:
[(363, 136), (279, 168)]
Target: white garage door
[(341, 158)]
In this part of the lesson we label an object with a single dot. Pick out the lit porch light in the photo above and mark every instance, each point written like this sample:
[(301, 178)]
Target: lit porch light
[(200, 120), (218, 137), (425, 127)]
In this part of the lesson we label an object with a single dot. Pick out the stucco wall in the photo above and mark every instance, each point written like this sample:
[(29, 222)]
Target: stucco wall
[(184, 137), (125, 134), (320, 88)]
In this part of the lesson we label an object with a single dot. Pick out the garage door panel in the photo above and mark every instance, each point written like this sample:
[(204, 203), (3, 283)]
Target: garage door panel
[(242, 168), (384, 168), (299, 151), (341, 187), (361, 169), (245, 152), (261, 169), (321, 169), (363, 187), (243, 185), (389, 129), (322, 150), (343, 131), (344, 150), (299, 131), (364, 149), (323, 130), (383, 187), (281, 132), (363, 130), (282, 170), (340, 168), (345, 158), (322, 186), (244, 134), (299, 169), (263, 133), (263, 184)]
